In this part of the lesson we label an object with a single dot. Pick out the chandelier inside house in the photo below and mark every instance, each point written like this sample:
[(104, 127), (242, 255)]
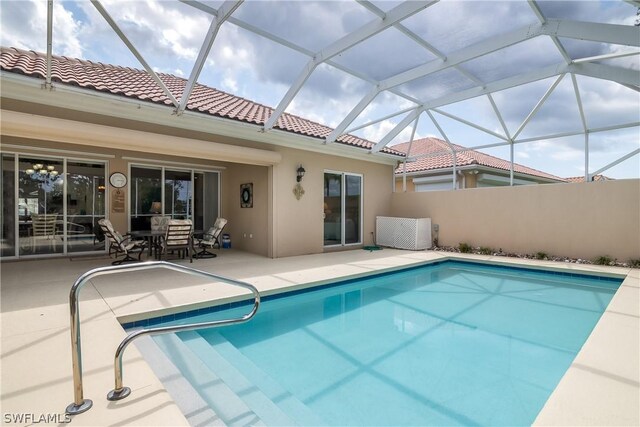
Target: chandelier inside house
[(44, 173)]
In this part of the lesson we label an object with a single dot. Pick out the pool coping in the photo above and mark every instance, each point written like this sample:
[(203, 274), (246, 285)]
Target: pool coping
[(146, 319)]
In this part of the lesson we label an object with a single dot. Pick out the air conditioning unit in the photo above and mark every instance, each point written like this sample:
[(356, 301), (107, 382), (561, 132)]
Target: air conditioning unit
[(403, 233)]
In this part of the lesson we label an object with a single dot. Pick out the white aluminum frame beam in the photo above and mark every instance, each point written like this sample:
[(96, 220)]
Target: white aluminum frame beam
[(616, 162), (49, 43), (134, 51), (396, 130), (585, 128), (381, 119), (606, 56), (607, 72), (538, 105), (454, 156), (468, 123), (536, 9), (404, 164), (224, 12), (398, 13), (594, 31)]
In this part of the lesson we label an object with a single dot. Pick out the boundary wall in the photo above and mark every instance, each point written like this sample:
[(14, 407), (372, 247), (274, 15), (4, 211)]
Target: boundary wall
[(579, 220)]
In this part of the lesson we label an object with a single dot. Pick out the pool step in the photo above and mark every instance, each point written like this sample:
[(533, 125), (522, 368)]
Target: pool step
[(221, 399), (259, 403), (194, 408), (300, 413)]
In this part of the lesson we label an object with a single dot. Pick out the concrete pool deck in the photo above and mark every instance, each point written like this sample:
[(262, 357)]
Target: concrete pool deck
[(602, 386)]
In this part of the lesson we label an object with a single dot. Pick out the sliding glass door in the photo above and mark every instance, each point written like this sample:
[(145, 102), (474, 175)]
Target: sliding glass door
[(342, 209), (50, 205), (175, 193)]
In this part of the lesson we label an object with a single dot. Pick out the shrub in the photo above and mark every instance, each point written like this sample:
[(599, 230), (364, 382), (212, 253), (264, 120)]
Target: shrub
[(603, 260), (541, 255), (485, 251), (634, 263), (465, 248)]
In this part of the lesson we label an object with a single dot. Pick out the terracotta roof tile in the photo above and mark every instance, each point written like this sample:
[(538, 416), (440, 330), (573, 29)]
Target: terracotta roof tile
[(133, 83), (463, 158), (593, 178)]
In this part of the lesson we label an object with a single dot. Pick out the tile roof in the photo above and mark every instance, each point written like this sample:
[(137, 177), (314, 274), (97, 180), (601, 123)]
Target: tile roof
[(593, 178), (138, 84), (463, 158)]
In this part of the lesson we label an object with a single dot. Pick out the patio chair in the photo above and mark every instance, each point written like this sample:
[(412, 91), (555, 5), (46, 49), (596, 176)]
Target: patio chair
[(159, 223), (120, 244), (43, 228), (177, 238), (210, 239)]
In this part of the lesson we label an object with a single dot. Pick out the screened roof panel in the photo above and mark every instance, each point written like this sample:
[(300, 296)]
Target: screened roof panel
[(264, 52), (629, 62), (312, 25), (558, 114), (584, 49), (607, 103), (234, 67), (327, 91), (517, 102), (530, 54), (471, 136), (452, 25), (478, 111), (436, 85), (606, 12), (384, 104), (385, 54)]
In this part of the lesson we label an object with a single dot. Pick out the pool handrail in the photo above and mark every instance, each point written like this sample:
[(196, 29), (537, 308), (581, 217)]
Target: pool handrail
[(80, 404)]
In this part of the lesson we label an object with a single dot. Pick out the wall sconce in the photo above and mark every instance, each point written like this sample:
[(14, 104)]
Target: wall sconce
[(156, 207), (299, 173)]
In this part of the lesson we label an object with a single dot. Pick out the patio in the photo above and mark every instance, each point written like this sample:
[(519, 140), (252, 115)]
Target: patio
[(601, 387)]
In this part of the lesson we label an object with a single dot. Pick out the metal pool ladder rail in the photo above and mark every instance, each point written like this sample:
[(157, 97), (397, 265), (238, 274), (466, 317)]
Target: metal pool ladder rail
[(80, 404)]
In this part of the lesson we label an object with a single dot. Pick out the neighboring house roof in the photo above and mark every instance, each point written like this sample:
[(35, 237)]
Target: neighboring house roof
[(593, 178), (138, 84), (463, 158)]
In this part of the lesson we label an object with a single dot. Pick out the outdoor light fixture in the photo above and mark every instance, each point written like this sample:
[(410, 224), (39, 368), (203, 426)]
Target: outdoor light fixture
[(300, 173)]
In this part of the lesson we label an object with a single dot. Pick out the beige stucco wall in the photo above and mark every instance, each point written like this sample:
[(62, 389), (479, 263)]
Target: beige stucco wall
[(298, 224), (582, 220), (278, 225), (248, 227)]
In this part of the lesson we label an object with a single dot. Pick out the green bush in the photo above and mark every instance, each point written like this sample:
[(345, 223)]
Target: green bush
[(485, 251), (603, 260), (465, 248), (541, 255)]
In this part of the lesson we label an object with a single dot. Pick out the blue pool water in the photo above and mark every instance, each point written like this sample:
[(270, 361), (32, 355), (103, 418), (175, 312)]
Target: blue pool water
[(448, 344)]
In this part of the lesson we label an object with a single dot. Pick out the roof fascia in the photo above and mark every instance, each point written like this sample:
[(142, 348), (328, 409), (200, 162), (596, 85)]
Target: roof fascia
[(29, 89), (479, 169)]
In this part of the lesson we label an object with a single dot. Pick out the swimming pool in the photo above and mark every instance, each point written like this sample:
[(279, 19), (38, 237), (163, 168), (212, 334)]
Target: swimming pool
[(451, 343)]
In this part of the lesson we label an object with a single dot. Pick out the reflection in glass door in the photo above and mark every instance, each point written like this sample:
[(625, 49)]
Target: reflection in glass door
[(342, 209), (332, 209), (85, 206), (40, 200), (177, 194), (8, 203)]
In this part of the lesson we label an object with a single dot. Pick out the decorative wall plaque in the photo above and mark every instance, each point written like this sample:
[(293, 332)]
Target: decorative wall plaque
[(117, 201)]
